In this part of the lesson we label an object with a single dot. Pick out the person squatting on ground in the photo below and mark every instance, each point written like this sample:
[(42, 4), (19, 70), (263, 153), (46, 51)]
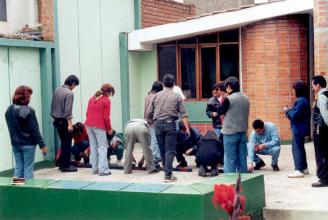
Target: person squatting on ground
[(186, 144), (299, 116), (24, 133), (116, 145), (81, 146), (156, 87), (264, 140), (98, 126), (212, 107), (61, 112), (210, 153), (136, 131), (320, 133), (235, 109), (164, 111)]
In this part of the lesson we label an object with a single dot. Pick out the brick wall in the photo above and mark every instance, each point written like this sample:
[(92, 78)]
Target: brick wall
[(320, 16), (46, 19), (157, 12), (274, 56)]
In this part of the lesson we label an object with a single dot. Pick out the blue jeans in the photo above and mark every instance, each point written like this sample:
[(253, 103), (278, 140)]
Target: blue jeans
[(273, 151), (299, 154), (217, 131), (154, 145), (24, 159), (79, 148), (235, 151), (98, 148), (118, 151)]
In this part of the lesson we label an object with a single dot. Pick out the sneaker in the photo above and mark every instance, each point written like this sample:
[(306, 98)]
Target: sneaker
[(214, 172), (202, 171), (306, 171), (182, 164), (18, 181), (105, 174), (68, 169), (296, 174), (95, 172), (171, 178), (259, 165), (155, 170), (275, 168), (157, 166), (319, 184)]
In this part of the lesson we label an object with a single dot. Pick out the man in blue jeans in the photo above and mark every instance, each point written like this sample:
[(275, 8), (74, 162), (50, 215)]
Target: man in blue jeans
[(264, 140)]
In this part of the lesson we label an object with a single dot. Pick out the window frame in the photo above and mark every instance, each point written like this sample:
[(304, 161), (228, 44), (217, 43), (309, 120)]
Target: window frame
[(5, 18)]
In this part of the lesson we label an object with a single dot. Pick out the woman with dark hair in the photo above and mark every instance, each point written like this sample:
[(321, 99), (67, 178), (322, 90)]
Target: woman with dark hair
[(24, 133), (80, 148), (98, 124), (299, 116)]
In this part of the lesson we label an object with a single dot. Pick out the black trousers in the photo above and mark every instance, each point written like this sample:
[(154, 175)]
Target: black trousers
[(320, 139), (61, 125)]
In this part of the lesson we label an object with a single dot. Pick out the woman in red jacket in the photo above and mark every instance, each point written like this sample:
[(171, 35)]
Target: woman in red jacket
[(98, 124)]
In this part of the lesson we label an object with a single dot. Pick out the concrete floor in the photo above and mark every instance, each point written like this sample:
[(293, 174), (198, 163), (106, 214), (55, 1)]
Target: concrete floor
[(282, 193)]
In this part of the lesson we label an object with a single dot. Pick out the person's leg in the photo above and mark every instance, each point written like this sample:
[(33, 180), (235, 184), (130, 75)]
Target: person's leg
[(130, 140), (102, 151), (217, 132), (230, 153), (93, 149), (242, 153), (323, 143), (144, 139), (119, 151), (76, 150), (300, 154), (28, 155), (154, 145), (275, 152), (160, 137), (66, 142), (318, 142), (170, 147), (179, 155), (19, 162)]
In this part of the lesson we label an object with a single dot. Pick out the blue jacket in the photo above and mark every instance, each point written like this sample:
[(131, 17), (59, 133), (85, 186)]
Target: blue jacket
[(300, 116)]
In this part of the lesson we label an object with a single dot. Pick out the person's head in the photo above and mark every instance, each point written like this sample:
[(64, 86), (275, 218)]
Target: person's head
[(258, 126), (215, 91), (22, 95), (300, 88), (168, 80), (318, 82), (157, 87), (222, 89), (72, 81), (232, 84), (106, 90), (78, 128)]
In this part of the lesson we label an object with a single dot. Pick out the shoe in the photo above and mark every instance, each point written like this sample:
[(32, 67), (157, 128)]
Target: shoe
[(68, 169), (86, 160), (306, 171), (214, 172), (202, 171), (259, 165), (182, 164), (18, 181), (168, 179), (157, 166), (320, 184), (275, 168), (155, 170), (296, 174), (105, 174)]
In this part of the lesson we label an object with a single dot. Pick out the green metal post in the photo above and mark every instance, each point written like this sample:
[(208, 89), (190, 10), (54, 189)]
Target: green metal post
[(137, 14)]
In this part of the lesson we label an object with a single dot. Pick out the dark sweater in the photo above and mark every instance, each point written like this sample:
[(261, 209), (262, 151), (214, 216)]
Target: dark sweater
[(213, 105), (23, 126)]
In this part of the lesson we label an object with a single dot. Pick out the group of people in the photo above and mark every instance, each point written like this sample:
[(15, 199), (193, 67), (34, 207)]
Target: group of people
[(165, 132)]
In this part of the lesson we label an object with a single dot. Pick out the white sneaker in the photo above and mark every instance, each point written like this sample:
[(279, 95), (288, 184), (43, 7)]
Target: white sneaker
[(306, 171), (296, 174)]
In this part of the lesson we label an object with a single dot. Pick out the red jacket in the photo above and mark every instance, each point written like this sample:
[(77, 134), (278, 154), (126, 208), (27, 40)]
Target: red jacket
[(81, 137), (98, 113)]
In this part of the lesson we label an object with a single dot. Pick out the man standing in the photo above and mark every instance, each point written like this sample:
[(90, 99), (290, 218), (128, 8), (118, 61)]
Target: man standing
[(320, 134), (264, 140), (61, 111), (211, 110), (164, 111), (235, 109)]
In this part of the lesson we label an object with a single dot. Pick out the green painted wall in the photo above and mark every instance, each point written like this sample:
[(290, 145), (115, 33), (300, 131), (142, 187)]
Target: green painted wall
[(88, 32), (18, 66)]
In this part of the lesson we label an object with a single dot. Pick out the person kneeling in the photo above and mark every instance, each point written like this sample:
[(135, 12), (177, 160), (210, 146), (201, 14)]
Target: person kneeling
[(116, 147), (264, 140), (81, 146), (209, 154)]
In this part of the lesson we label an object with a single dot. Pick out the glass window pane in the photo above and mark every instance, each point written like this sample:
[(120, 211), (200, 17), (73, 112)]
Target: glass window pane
[(188, 72), (208, 62), (229, 61), (3, 10), (209, 38), (167, 61), (192, 40), (229, 36)]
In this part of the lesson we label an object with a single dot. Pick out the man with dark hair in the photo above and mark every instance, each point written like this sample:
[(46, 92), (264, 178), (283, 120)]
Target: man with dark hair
[(264, 140), (211, 110), (61, 111), (164, 110), (235, 109), (320, 134)]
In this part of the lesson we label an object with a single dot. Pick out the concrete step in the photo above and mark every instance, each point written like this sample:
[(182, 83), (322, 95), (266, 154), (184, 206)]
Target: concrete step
[(288, 214)]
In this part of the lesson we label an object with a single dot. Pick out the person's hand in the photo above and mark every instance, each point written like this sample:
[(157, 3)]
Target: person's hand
[(285, 108), (110, 132), (70, 128), (250, 167), (44, 150), (189, 151), (260, 147), (214, 114)]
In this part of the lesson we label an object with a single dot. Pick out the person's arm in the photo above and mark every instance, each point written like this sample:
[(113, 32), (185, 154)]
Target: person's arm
[(295, 114), (322, 105), (222, 110), (274, 138), (209, 110), (150, 112), (106, 116), (35, 132), (251, 147), (69, 98)]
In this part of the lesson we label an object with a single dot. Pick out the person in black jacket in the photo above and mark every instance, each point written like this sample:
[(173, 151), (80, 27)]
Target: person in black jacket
[(212, 110), (210, 153), (24, 132)]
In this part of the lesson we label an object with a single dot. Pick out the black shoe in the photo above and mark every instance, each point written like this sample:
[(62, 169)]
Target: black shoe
[(105, 174), (181, 165), (259, 165), (202, 171), (275, 168), (214, 172), (320, 184), (68, 169)]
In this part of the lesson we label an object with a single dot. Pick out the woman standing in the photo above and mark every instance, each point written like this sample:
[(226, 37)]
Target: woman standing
[(98, 124), (24, 133), (299, 117)]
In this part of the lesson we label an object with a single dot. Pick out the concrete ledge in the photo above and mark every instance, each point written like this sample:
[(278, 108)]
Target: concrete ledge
[(54, 199)]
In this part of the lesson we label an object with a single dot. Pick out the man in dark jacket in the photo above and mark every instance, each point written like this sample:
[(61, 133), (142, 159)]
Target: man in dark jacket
[(212, 110)]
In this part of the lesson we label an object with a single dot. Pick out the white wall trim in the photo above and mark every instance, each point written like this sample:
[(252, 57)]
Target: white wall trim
[(143, 39)]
